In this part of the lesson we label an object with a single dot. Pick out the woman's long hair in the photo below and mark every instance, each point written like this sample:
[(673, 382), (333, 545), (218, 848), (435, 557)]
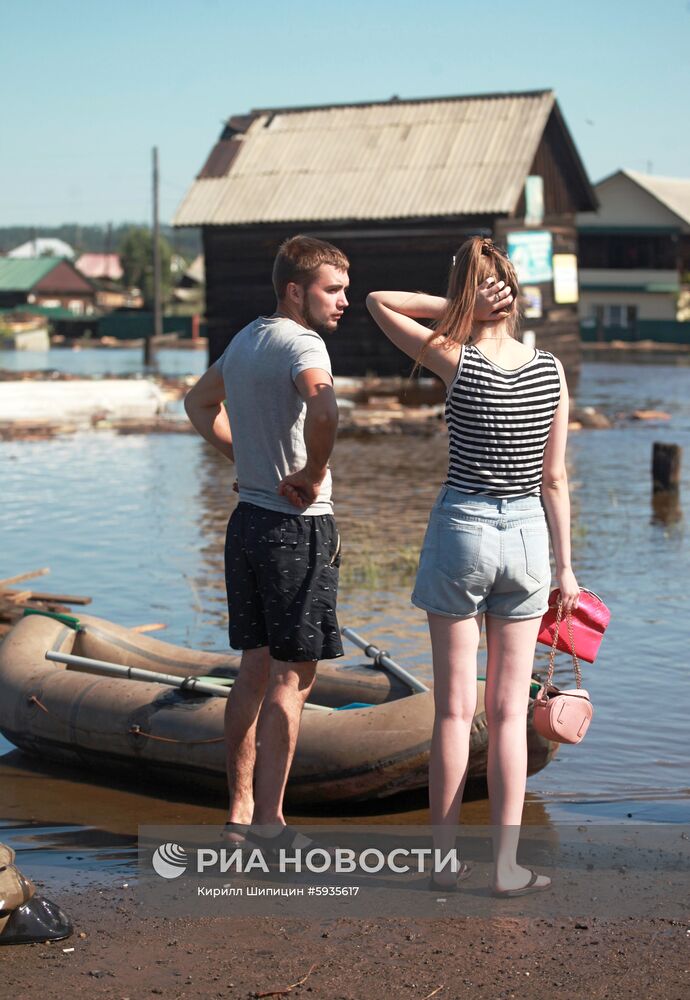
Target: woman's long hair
[(476, 260)]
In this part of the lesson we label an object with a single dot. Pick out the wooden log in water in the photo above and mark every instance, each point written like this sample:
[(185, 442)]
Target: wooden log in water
[(17, 596), (23, 576), (14, 602), (64, 598), (666, 460)]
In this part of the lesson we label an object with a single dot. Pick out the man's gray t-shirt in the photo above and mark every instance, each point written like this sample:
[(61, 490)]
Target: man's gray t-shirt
[(266, 411)]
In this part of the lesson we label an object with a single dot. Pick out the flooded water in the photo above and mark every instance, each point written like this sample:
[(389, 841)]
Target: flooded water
[(90, 361), (137, 522)]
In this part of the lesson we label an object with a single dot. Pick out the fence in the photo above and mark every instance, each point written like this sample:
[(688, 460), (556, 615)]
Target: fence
[(659, 330), (132, 326)]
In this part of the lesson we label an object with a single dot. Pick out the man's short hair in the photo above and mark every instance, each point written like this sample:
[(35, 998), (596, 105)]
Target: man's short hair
[(300, 257)]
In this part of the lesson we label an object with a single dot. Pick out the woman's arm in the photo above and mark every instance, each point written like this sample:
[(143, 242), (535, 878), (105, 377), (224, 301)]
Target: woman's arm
[(416, 305), (397, 314), (556, 497), (204, 406)]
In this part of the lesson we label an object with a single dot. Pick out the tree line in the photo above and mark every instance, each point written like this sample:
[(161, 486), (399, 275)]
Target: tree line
[(99, 238)]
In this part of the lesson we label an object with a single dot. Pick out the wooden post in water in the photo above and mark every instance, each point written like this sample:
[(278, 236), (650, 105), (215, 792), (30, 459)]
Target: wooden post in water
[(666, 459), (666, 467)]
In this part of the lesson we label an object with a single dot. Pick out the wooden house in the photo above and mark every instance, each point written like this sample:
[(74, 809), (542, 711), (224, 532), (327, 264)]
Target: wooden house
[(635, 259), (48, 282), (397, 185)]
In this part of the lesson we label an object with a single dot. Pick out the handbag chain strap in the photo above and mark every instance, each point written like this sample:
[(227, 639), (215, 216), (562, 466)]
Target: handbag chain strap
[(552, 654)]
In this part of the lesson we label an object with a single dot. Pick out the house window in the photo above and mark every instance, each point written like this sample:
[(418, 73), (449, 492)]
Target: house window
[(622, 316), (621, 251), (615, 316)]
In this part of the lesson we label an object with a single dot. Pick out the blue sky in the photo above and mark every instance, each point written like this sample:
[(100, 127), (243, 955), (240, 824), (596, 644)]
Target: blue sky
[(89, 87)]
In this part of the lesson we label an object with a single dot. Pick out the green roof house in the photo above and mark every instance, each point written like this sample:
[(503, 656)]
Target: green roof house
[(45, 281)]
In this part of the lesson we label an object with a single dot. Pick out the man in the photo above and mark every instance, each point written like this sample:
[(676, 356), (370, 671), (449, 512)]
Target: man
[(282, 546)]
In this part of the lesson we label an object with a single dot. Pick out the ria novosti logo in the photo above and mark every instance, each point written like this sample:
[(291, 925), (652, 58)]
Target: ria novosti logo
[(169, 861)]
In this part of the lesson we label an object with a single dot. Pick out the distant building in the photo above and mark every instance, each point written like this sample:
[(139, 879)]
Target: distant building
[(43, 246), (190, 287), (45, 282), (104, 270), (398, 185), (100, 266), (634, 253)]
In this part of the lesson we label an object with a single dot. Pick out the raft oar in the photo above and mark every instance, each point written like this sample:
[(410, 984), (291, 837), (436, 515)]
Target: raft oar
[(137, 674), (382, 659)]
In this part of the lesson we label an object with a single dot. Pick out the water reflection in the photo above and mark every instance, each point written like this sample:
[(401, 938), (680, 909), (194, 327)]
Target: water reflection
[(666, 508)]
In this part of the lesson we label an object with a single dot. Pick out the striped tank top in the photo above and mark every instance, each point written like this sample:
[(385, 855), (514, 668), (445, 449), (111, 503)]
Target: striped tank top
[(498, 422)]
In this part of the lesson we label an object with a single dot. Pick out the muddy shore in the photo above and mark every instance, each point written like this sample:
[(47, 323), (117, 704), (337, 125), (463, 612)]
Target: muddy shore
[(118, 954)]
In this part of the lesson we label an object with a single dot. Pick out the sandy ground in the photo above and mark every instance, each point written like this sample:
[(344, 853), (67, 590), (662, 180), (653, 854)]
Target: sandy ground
[(118, 954)]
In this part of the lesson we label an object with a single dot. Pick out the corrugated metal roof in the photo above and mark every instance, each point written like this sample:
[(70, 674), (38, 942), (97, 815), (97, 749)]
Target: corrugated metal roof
[(396, 160), (17, 275), (673, 192)]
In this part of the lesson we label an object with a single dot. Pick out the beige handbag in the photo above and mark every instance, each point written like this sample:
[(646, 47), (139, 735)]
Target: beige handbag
[(6, 855), (562, 716), (15, 890)]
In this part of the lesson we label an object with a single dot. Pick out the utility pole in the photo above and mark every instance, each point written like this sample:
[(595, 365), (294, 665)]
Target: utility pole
[(157, 304)]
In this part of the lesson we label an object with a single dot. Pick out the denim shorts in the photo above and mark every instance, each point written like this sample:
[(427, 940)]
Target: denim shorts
[(484, 554)]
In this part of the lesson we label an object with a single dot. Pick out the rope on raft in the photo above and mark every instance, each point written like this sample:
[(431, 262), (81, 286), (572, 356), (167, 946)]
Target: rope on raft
[(138, 731)]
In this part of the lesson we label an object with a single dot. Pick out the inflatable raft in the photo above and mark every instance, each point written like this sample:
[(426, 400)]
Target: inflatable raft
[(71, 714)]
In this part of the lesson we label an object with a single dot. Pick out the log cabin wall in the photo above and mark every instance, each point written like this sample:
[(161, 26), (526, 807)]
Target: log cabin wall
[(238, 276), (238, 284)]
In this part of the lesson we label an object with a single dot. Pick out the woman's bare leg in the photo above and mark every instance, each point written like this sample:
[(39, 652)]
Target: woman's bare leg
[(510, 660), (454, 646)]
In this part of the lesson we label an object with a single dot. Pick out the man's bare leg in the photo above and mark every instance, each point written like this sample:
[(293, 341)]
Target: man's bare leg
[(241, 714), (276, 736)]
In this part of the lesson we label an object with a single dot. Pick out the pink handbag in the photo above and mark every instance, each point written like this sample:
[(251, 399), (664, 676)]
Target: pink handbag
[(589, 621), (562, 716)]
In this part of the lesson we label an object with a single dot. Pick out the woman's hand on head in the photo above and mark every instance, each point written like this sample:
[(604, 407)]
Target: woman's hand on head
[(492, 301)]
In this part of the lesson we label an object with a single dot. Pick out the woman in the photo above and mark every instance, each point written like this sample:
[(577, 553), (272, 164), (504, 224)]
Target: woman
[(486, 552)]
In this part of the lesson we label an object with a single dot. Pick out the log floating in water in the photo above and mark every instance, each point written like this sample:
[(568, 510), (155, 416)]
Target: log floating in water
[(14, 602), (23, 576), (65, 598)]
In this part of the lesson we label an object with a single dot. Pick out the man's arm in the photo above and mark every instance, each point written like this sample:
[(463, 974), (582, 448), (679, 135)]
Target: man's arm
[(204, 406), (315, 386)]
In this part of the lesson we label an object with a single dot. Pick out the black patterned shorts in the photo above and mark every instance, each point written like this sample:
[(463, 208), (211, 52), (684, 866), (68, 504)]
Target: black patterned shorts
[(281, 574)]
